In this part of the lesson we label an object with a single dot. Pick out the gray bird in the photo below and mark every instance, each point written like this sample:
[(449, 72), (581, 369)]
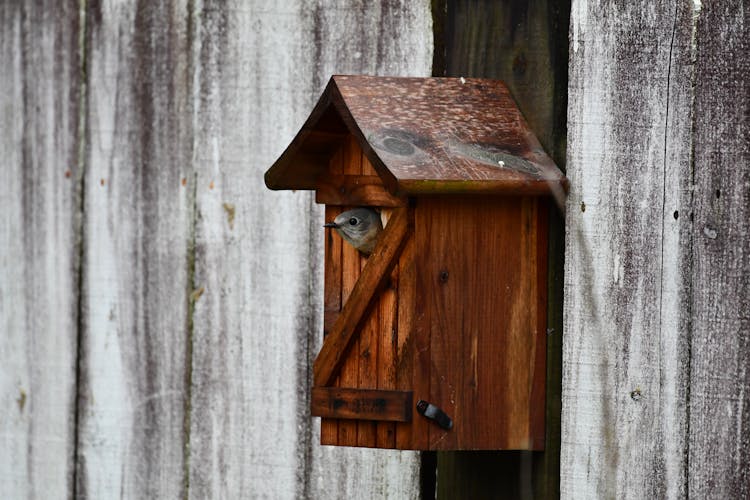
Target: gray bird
[(360, 227)]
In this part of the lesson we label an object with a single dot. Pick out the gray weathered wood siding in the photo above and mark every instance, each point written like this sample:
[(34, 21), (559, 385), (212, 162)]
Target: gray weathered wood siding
[(39, 230), (160, 308), (657, 282)]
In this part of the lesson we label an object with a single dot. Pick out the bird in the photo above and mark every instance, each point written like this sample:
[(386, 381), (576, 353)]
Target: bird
[(360, 227)]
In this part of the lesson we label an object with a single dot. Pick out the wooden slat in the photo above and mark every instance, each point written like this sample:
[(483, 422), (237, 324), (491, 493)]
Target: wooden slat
[(256, 68), (367, 371), (362, 404), (354, 190), (41, 169), (137, 250), (387, 347), (413, 349), (348, 376), (626, 352), (373, 275), (719, 401), (329, 429)]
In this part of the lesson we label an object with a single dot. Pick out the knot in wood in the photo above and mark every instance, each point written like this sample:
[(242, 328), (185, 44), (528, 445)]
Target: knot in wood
[(443, 277)]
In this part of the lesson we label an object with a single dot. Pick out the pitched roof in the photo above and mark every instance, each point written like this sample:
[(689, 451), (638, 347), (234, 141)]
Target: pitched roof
[(423, 136)]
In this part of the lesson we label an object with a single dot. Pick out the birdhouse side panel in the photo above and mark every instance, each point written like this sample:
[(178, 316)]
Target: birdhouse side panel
[(482, 301)]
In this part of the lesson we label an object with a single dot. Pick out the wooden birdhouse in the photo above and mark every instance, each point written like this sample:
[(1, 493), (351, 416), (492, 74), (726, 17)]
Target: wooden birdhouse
[(436, 340)]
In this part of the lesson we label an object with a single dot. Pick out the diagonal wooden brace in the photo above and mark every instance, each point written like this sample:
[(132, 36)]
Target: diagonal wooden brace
[(374, 274)]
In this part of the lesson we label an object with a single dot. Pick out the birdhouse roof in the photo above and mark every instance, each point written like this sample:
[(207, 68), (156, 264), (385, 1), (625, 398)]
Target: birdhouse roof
[(422, 136)]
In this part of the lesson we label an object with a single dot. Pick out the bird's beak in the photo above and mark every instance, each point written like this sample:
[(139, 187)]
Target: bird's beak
[(330, 224)]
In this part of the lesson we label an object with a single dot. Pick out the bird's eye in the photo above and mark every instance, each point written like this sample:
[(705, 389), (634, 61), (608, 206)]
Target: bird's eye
[(353, 221)]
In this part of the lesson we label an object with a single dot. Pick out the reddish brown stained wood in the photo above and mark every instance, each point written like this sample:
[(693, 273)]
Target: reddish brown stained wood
[(354, 190), (387, 340), (477, 273), (413, 350), (329, 317), (379, 265), (347, 376), (539, 375), (361, 404), (437, 135), (367, 168), (367, 376), (349, 373), (329, 429)]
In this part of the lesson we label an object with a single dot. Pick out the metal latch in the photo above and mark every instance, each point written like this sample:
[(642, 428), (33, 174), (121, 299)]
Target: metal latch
[(434, 413)]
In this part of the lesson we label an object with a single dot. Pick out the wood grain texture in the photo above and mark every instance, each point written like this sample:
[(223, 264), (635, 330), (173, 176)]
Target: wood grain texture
[(643, 402), (368, 38), (413, 349), (719, 401), (425, 136), (135, 361), (354, 190), (351, 266), (477, 269), (388, 346), (525, 44), (40, 174), (156, 121), (258, 69), (333, 275), (362, 404), (367, 284)]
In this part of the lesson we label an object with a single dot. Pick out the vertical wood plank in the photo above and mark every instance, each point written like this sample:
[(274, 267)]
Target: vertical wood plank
[(719, 399), (138, 215), (329, 428), (369, 344), (367, 376), (413, 348), (250, 428), (539, 414), (259, 69), (387, 338), (333, 271), (351, 267), (525, 45), (627, 266), (40, 175)]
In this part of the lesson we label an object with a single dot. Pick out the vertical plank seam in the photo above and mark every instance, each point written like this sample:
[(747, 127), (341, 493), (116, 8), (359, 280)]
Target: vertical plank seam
[(79, 231), (190, 281), (191, 298)]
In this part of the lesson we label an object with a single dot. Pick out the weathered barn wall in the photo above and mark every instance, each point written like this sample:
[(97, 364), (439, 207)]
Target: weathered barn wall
[(199, 307), (657, 282)]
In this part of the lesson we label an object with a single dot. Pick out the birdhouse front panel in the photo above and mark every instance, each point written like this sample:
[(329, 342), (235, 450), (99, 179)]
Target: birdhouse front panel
[(457, 320), (435, 292)]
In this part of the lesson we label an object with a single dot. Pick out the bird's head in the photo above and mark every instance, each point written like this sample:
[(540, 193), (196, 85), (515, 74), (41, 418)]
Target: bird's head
[(360, 227)]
